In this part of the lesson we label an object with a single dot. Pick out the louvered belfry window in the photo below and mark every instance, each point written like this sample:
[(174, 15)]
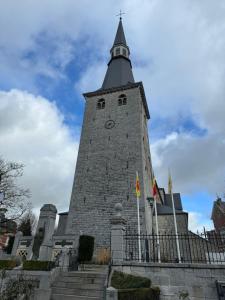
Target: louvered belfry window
[(122, 100), (101, 104)]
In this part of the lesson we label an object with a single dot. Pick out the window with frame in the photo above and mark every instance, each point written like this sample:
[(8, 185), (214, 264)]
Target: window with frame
[(122, 100), (101, 104)]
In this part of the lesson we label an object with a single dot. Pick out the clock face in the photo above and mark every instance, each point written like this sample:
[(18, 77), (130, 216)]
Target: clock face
[(109, 124)]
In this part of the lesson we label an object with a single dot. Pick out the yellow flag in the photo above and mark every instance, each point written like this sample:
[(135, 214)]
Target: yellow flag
[(170, 186), (137, 185)]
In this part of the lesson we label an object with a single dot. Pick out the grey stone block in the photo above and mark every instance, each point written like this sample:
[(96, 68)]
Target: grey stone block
[(42, 294), (111, 294), (197, 291)]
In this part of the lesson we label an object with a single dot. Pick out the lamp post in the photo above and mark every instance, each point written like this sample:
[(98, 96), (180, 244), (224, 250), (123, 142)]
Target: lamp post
[(150, 201)]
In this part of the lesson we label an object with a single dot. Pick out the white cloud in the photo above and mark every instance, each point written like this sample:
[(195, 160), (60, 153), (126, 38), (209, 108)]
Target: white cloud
[(197, 163), (61, 24), (32, 131), (197, 222), (86, 82)]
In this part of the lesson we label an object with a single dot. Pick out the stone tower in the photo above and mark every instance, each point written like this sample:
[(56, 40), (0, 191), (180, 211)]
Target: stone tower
[(114, 145)]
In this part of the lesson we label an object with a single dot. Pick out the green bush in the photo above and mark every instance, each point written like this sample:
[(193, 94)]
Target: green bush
[(139, 294), (36, 265), (86, 248), (7, 264), (126, 281)]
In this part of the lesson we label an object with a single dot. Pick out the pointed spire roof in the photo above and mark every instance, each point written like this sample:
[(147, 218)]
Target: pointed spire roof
[(120, 36), (119, 70)]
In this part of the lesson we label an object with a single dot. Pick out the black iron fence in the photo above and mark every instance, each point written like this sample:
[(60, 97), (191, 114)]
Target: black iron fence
[(194, 248)]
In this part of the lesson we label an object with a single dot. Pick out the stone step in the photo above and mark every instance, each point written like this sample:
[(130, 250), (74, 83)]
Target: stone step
[(90, 267), (78, 292), (81, 280), (73, 297), (74, 285), (79, 285), (83, 274)]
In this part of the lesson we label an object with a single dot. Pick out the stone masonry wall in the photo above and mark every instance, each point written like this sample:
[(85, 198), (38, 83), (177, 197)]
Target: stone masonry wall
[(166, 223), (106, 167), (196, 280)]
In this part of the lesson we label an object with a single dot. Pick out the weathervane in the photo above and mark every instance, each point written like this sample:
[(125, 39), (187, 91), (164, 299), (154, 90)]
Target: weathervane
[(120, 14)]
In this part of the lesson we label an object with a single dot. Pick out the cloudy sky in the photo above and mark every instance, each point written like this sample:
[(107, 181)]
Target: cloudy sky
[(52, 51)]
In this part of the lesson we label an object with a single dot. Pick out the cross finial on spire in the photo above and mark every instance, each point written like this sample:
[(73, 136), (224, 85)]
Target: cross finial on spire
[(120, 14)]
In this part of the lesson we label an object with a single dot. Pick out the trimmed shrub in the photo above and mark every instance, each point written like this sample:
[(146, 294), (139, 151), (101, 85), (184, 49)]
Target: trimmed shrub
[(139, 294), (8, 248), (86, 248), (7, 264), (122, 280), (36, 265)]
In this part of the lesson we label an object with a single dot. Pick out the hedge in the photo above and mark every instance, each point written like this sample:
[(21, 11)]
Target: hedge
[(37, 265), (8, 248), (7, 264), (86, 248), (139, 294), (126, 281)]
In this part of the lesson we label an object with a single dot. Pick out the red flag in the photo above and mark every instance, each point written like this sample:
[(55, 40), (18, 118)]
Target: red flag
[(154, 187)]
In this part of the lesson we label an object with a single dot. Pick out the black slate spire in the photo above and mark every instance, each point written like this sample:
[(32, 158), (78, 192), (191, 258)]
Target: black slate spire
[(119, 70), (120, 36)]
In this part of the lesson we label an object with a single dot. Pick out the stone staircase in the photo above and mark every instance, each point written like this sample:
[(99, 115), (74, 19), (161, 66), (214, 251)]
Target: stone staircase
[(87, 284)]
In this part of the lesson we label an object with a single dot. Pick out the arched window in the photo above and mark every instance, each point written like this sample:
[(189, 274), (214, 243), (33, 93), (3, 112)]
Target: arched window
[(122, 100), (117, 51), (101, 104), (124, 52)]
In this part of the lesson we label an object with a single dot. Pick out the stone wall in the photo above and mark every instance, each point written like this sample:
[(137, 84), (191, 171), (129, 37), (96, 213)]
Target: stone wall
[(42, 279), (166, 223), (62, 223), (195, 280)]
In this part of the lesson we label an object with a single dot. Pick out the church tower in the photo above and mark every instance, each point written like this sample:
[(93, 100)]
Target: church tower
[(114, 145)]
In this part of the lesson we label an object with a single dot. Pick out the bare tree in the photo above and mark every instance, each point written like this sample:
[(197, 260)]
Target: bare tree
[(14, 199)]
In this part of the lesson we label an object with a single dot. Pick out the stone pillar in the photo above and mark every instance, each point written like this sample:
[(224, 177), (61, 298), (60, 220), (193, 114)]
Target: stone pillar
[(64, 259), (30, 250), (117, 235), (47, 222), (16, 242), (111, 293)]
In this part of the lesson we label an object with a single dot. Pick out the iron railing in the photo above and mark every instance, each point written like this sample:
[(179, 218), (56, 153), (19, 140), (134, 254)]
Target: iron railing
[(194, 248)]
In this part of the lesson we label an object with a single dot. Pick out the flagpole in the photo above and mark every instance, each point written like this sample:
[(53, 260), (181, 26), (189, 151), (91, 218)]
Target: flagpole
[(139, 229), (157, 230), (175, 225), (175, 219)]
